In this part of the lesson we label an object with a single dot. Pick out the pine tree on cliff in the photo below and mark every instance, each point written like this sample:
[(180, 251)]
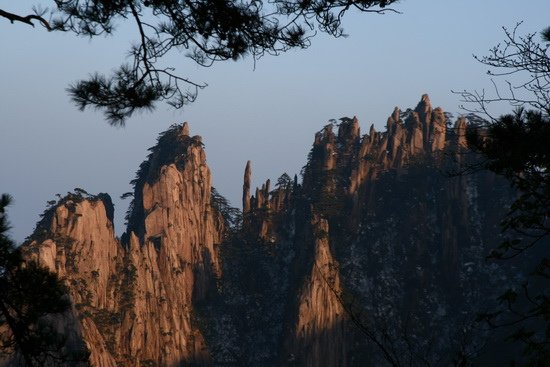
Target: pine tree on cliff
[(29, 292), (207, 31)]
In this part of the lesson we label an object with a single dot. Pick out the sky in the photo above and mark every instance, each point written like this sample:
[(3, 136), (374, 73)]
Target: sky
[(267, 113)]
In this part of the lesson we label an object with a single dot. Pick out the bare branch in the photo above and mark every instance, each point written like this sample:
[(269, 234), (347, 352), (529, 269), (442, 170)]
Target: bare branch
[(27, 19)]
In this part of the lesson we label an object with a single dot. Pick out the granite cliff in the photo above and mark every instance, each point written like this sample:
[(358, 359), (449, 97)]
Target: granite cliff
[(374, 258), (134, 298)]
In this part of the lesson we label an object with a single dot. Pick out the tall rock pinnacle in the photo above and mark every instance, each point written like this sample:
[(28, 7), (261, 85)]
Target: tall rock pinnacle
[(437, 130), (460, 129), (185, 128), (246, 187)]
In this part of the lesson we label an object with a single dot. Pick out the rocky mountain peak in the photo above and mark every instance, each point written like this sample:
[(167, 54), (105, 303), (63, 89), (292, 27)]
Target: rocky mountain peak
[(372, 131), (394, 118), (281, 284), (425, 105), (348, 130), (185, 128)]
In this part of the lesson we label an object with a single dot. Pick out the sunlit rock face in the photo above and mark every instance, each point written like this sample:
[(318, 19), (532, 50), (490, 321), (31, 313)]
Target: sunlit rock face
[(134, 298), (319, 334), (375, 257), (173, 231), (76, 240)]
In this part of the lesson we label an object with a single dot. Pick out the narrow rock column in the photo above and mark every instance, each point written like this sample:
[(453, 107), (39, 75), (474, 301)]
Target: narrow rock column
[(460, 130), (438, 130), (246, 187), (266, 192), (185, 128)]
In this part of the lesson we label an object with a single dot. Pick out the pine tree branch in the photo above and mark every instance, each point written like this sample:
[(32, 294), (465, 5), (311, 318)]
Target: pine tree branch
[(25, 19)]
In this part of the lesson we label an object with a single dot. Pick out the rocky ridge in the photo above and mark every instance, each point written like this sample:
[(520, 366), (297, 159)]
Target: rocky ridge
[(360, 263)]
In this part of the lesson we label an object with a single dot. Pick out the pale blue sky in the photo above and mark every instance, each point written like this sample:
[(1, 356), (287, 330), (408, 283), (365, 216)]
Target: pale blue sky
[(268, 115)]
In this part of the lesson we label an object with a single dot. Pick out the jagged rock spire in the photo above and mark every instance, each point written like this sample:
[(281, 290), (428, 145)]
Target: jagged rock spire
[(393, 119), (348, 130), (437, 131), (425, 101), (460, 130), (372, 131), (246, 187), (185, 128), (424, 111), (267, 187)]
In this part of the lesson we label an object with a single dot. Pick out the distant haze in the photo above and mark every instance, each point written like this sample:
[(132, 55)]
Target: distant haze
[(268, 115)]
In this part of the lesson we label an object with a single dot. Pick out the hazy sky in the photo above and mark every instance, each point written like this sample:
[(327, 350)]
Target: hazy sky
[(268, 115)]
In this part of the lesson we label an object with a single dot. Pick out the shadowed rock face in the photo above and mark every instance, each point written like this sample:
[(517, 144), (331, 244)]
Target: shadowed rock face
[(367, 259)]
